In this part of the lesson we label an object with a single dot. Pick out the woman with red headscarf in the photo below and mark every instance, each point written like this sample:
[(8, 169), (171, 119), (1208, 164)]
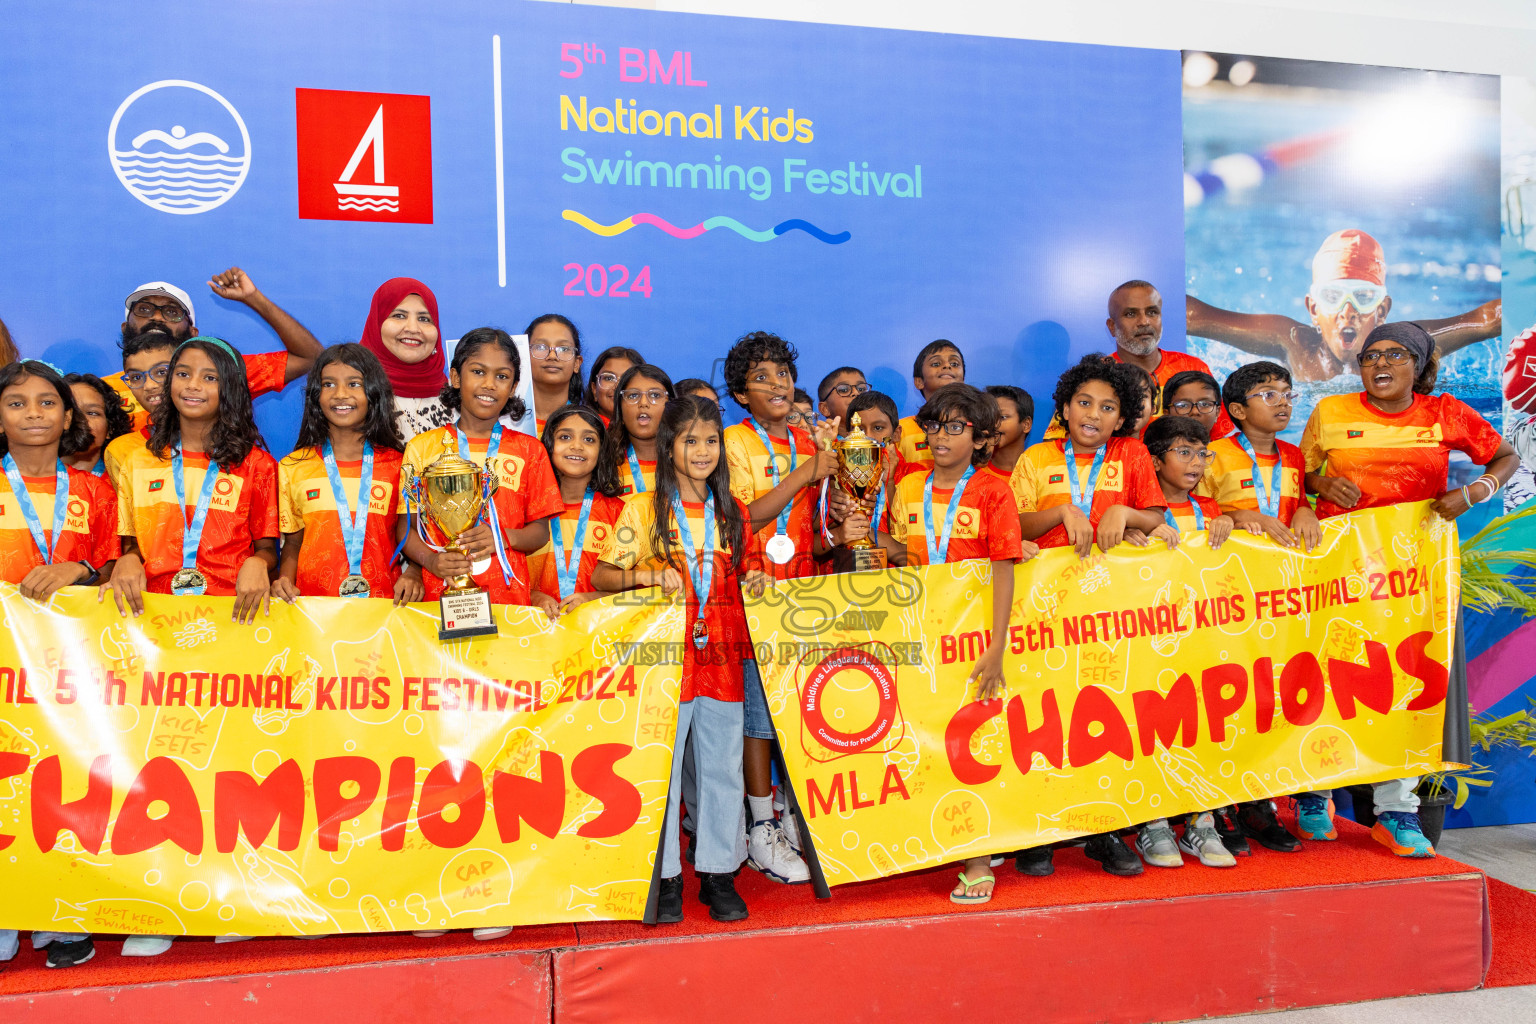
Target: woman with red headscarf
[(403, 332)]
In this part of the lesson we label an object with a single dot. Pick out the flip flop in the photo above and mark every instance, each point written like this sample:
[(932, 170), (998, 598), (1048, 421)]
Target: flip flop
[(968, 882)]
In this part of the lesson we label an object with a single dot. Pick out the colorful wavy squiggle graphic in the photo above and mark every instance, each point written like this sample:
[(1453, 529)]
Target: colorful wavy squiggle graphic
[(636, 219)]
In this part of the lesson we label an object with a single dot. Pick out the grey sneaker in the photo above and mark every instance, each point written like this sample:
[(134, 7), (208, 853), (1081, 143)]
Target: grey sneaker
[(1201, 840), (1157, 846)]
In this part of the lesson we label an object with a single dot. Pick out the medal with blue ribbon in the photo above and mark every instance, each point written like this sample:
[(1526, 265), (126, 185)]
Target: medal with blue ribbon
[(701, 560), (780, 548), (354, 525), (1084, 501), (492, 447), (567, 568), (189, 579), (45, 543), (636, 478), (1269, 504), (938, 547)]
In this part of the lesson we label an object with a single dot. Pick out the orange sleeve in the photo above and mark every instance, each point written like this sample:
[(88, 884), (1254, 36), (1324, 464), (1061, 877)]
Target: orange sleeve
[(1468, 432), (1142, 491), (1313, 456), (103, 523), (265, 372), (541, 490), (1004, 541), (263, 481)]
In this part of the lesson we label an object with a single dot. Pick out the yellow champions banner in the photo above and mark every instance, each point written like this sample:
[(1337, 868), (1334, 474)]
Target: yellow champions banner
[(333, 768), (1141, 684)]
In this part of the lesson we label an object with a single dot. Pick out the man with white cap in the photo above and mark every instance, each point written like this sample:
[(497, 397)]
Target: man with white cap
[(1348, 299), (158, 316), (159, 306)]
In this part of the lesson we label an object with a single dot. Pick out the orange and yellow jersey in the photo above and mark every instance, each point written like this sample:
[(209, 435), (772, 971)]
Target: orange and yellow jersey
[(526, 492), (89, 531), (306, 502), (1126, 478), (117, 451), (1183, 513), (242, 511), (913, 443), (1229, 477), (1004, 475), (263, 372), (715, 671), (752, 478), (627, 476), (545, 565), (986, 523), (1393, 457), (1172, 363)]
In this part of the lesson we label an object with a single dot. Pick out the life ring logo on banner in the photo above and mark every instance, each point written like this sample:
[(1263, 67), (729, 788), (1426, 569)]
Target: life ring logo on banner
[(179, 147), (851, 675)]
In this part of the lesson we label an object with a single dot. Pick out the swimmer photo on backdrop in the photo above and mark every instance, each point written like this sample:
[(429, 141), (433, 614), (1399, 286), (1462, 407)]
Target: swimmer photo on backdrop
[(1321, 200)]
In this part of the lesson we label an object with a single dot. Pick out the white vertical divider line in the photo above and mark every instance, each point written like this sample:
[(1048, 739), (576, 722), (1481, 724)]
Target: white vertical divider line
[(501, 187)]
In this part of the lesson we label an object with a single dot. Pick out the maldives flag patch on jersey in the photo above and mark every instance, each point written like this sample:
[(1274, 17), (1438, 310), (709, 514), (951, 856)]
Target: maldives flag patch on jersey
[(312, 495), (1356, 433), (155, 485)]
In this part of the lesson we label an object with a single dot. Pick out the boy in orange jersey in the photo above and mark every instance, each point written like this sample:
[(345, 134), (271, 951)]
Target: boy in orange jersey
[(1257, 480), (955, 512), (938, 364), (1094, 484), (773, 466)]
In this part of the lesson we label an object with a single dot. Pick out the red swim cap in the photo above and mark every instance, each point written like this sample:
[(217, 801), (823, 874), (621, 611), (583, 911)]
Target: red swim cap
[(1349, 254)]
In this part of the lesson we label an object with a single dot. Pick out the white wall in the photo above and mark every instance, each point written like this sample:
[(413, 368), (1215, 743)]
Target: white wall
[(1488, 36)]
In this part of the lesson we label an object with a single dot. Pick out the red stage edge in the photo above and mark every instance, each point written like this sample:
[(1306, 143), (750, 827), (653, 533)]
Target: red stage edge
[(1143, 960), (1171, 959), (508, 988)]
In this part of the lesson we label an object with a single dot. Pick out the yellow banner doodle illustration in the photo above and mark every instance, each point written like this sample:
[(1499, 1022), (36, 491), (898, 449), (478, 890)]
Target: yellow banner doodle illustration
[(1141, 684), (333, 768)]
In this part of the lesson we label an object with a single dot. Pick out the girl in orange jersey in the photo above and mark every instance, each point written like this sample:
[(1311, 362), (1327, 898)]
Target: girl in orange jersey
[(554, 363), (580, 536), (481, 388), (687, 536), (1392, 443), (339, 489), (602, 391), (103, 410), (197, 506), (58, 525), (629, 445)]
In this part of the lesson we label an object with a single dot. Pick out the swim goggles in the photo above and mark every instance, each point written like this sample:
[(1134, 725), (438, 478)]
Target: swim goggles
[(1330, 296)]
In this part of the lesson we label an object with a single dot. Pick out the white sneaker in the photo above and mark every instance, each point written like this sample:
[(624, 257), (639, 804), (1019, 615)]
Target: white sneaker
[(787, 821), (220, 939), (146, 945), (1157, 846), (1201, 840), (487, 934), (768, 851), (430, 935)]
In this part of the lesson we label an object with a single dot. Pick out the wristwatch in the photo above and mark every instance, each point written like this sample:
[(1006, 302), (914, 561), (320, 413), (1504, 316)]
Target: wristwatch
[(92, 575)]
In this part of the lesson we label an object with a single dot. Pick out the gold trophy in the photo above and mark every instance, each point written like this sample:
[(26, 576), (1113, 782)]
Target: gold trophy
[(860, 474), (452, 493)]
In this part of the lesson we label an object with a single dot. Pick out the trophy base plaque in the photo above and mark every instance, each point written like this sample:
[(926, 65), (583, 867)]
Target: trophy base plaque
[(868, 559), (465, 613)]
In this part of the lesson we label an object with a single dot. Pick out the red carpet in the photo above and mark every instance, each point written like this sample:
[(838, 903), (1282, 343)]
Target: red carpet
[(1353, 859), (1514, 935)]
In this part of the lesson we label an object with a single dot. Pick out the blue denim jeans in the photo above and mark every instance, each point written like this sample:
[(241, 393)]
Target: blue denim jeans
[(9, 943), (758, 724), (714, 730)]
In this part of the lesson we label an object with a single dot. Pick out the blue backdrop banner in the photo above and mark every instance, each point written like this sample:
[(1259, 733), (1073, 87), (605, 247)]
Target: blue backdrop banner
[(669, 182)]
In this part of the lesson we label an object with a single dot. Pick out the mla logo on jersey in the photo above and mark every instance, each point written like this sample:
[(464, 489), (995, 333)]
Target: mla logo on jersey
[(364, 156), (179, 147)]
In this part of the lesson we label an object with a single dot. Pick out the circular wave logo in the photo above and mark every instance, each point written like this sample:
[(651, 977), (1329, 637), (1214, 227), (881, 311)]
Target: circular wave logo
[(179, 147)]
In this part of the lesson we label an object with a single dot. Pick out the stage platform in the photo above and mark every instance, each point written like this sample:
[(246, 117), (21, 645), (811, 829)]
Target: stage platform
[(1338, 922)]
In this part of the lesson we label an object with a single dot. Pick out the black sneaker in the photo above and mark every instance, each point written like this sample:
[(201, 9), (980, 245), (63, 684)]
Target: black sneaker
[(1112, 853), (1257, 819), (1037, 861), (70, 954), (1231, 835), (669, 901), (719, 892), (692, 842)]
